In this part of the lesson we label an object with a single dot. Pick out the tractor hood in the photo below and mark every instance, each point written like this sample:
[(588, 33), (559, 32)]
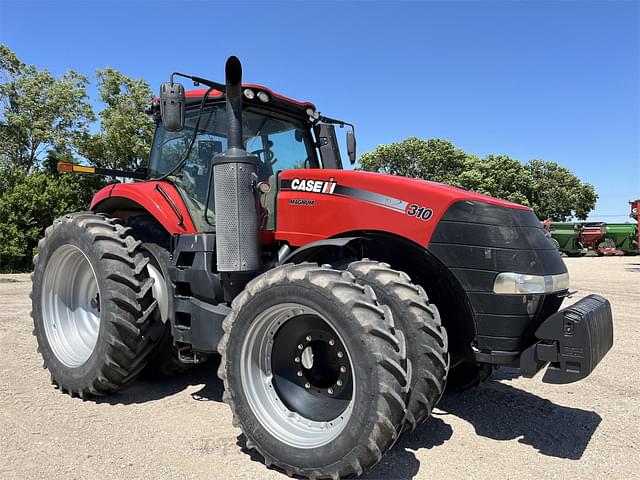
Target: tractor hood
[(325, 203)]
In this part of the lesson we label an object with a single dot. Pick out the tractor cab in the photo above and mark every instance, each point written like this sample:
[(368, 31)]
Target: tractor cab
[(282, 133)]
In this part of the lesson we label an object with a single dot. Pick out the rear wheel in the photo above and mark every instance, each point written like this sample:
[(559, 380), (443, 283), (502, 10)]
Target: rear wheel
[(164, 360), (312, 371), (426, 338), (92, 304)]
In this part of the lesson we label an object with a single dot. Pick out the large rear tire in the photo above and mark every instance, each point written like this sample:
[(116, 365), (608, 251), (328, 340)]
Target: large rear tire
[(426, 338), (311, 365), (92, 304)]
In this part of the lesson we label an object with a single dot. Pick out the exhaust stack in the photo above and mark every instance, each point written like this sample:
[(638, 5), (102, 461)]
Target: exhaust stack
[(235, 178)]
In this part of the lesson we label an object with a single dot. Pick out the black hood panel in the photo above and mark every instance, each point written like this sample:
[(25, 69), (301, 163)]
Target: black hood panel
[(496, 239), (476, 241)]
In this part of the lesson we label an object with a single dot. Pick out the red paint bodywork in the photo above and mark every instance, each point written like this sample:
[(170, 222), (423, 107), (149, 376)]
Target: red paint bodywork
[(148, 197), (591, 236), (279, 96), (333, 215), (635, 214), (330, 215)]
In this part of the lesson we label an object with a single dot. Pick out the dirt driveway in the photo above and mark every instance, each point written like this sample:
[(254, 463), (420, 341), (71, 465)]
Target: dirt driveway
[(508, 428)]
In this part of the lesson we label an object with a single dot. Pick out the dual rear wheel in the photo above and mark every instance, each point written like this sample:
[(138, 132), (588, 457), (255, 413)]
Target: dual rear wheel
[(321, 374)]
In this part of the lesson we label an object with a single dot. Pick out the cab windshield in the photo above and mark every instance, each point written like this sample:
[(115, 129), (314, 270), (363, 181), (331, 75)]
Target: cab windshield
[(281, 142)]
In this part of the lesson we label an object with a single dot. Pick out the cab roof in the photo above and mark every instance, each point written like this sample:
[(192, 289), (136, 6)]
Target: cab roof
[(277, 100)]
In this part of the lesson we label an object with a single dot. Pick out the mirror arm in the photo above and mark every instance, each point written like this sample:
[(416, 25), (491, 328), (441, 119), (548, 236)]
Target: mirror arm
[(209, 83), (340, 123)]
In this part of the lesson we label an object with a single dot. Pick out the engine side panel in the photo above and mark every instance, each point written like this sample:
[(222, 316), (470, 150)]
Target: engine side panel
[(316, 204)]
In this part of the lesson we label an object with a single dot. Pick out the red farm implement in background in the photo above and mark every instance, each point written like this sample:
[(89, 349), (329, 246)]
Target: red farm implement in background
[(593, 236), (635, 214)]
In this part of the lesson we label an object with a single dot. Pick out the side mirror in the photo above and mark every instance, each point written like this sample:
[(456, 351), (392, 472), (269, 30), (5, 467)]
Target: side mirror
[(351, 147), (172, 106)]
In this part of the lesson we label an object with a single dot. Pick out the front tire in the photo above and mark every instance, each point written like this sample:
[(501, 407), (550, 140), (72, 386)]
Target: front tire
[(419, 320), (335, 413), (92, 305)]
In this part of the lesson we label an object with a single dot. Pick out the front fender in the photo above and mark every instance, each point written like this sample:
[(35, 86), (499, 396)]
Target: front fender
[(319, 249)]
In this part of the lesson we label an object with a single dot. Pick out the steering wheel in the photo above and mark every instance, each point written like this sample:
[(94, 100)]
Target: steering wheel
[(268, 155)]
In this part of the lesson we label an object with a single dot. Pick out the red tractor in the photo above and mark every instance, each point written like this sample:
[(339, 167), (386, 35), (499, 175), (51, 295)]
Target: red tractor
[(341, 302)]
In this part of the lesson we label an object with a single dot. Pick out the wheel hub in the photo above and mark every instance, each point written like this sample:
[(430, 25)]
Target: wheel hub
[(320, 364), (297, 375), (309, 368)]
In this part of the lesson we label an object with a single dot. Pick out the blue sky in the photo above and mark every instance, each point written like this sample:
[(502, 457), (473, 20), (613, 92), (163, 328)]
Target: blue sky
[(551, 80)]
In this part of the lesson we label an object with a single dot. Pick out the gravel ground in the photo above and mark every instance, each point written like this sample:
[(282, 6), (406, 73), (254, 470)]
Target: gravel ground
[(508, 428)]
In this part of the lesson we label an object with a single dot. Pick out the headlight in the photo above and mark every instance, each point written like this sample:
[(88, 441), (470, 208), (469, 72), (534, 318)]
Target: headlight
[(519, 283), (560, 282), (263, 96), (250, 94)]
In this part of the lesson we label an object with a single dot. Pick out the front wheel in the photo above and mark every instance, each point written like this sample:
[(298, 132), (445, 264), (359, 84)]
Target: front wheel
[(426, 338), (312, 370)]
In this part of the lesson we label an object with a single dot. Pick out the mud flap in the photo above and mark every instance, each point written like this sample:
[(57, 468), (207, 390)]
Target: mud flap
[(572, 342)]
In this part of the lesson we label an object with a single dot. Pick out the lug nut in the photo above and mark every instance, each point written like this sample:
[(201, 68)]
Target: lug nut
[(297, 359), (308, 338), (307, 385), (332, 342), (301, 347), (340, 354), (339, 383), (299, 373), (330, 391), (343, 369)]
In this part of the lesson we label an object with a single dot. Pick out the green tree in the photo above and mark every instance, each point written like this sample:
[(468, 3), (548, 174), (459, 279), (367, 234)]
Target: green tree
[(126, 132), (435, 159), (499, 176), (38, 111), (551, 190), (30, 203), (557, 193)]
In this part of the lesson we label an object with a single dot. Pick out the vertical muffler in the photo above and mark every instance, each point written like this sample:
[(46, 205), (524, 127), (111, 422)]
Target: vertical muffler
[(235, 177)]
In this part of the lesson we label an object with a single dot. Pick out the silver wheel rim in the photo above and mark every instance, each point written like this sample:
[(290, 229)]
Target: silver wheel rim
[(159, 291), (287, 425), (70, 306)]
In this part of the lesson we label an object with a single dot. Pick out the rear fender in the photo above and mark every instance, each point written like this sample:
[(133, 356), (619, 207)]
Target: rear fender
[(159, 199)]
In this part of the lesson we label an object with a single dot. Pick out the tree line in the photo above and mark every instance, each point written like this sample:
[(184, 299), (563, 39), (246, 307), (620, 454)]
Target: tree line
[(550, 189), (46, 119)]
